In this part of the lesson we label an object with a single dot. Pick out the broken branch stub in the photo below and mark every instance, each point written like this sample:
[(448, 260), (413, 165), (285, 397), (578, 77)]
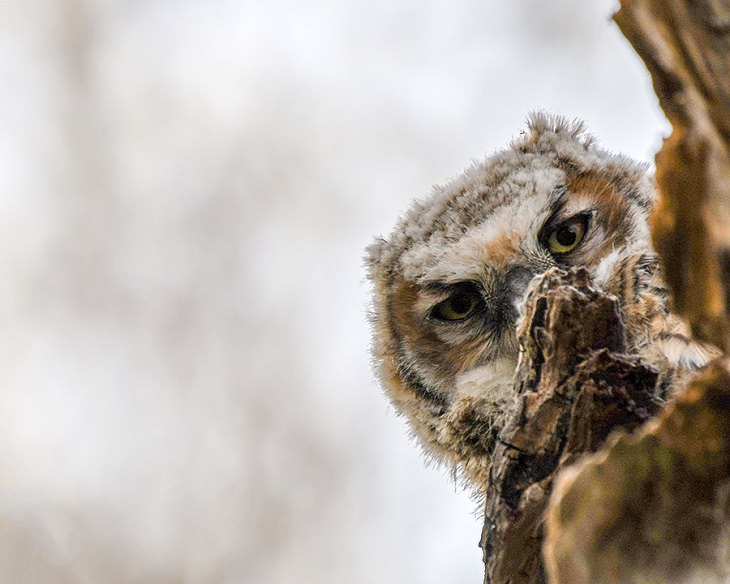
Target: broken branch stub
[(573, 387)]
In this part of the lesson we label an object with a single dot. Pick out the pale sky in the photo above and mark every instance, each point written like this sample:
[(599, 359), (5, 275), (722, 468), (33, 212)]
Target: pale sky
[(186, 191)]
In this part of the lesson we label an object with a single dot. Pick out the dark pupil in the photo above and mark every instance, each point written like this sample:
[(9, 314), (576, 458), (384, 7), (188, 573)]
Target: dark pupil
[(566, 236), (461, 303)]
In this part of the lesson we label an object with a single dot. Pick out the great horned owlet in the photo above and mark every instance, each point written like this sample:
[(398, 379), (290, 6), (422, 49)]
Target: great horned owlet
[(449, 281)]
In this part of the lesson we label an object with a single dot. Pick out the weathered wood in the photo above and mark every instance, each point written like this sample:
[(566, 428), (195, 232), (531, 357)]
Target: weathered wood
[(574, 387), (654, 507)]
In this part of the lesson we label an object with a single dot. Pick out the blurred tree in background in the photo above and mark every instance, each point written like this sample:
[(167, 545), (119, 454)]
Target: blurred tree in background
[(185, 193)]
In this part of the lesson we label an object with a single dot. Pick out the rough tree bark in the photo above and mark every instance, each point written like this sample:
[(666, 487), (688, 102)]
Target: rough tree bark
[(574, 386), (652, 506)]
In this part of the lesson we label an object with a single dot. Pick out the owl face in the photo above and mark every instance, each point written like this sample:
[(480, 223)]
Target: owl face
[(450, 280)]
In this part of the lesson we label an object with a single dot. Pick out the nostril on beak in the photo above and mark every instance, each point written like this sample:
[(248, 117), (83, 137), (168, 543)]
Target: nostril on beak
[(517, 280)]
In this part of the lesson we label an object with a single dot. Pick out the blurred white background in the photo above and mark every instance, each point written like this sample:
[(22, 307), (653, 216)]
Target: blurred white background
[(186, 190)]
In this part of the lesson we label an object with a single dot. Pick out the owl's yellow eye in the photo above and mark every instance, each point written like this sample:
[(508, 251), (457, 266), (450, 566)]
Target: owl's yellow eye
[(458, 306), (566, 236)]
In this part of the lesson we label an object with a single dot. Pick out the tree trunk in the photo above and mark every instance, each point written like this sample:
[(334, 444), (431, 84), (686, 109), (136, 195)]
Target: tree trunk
[(652, 506)]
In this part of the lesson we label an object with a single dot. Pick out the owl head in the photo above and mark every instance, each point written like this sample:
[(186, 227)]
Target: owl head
[(450, 279)]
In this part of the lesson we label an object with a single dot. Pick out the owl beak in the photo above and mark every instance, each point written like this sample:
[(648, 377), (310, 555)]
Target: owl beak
[(506, 306), (517, 280)]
